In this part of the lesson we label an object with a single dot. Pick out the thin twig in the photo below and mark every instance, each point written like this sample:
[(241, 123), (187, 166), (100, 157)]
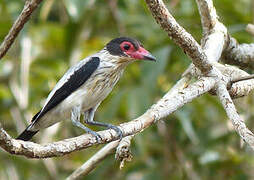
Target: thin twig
[(89, 165), (208, 14), (243, 78), (239, 54), (250, 29), (236, 120), (92, 163), (28, 9), (123, 151), (115, 13), (212, 29)]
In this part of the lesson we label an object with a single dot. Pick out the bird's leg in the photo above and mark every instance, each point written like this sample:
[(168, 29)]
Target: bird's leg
[(89, 115), (75, 118)]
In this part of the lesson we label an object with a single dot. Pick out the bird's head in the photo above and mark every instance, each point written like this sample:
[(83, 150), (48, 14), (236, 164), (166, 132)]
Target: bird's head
[(128, 49)]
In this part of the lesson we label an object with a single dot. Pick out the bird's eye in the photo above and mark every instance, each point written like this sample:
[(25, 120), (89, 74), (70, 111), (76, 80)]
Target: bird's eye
[(126, 46)]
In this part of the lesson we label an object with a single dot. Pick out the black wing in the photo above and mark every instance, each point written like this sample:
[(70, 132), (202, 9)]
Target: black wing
[(77, 79)]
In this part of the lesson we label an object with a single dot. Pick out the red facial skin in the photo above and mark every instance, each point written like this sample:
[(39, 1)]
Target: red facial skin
[(141, 53)]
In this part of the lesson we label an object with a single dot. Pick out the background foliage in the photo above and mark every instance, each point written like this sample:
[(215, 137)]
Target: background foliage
[(196, 142)]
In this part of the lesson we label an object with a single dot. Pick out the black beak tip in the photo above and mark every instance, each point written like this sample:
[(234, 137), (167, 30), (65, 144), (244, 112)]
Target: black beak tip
[(150, 57)]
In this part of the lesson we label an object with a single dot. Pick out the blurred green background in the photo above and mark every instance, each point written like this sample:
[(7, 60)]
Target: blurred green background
[(196, 142)]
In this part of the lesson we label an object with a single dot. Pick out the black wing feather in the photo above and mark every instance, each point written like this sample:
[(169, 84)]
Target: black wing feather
[(26, 135), (77, 79)]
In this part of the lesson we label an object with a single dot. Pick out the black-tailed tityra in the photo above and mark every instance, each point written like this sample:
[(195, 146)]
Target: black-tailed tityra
[(85, 85)]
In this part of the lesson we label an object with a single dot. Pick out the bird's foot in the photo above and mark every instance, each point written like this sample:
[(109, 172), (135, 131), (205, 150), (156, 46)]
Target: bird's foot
[(108, 126), (96, 135), (118, 131)]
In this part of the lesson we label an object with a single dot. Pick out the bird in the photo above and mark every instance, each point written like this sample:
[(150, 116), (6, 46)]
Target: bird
[(85, 85)]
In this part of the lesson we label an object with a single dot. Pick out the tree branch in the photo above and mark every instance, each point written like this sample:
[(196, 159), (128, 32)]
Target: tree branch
[(208, 15), (212, 29), (231, 111), (204, 57), (92, 163), (28, 9), (179, 35), (89, 165), (239, 54), (250, 29), (212, 26), (123, 151)]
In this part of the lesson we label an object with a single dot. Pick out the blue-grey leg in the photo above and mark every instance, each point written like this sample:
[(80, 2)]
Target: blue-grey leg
[(75, 118), (89, 115)]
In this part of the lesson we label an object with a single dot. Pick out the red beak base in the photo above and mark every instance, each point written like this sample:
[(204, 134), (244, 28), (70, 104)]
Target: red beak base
[(142, 54)]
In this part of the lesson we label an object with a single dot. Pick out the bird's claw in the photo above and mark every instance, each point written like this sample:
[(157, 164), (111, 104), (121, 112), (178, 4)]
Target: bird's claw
[(118, 131), (96, 135), (98, 138)]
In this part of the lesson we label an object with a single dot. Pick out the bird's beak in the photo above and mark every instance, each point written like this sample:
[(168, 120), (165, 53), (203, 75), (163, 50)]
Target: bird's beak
[(142, 54)]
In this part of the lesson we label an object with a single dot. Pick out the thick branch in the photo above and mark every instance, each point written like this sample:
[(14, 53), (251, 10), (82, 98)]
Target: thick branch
[(28, 9), (161, 109), (179, 35)]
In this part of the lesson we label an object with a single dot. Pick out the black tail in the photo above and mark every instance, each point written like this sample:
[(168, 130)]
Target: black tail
[(26, 135)]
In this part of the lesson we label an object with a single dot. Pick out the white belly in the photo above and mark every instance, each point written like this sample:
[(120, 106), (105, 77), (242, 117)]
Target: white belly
[(86, 98)]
